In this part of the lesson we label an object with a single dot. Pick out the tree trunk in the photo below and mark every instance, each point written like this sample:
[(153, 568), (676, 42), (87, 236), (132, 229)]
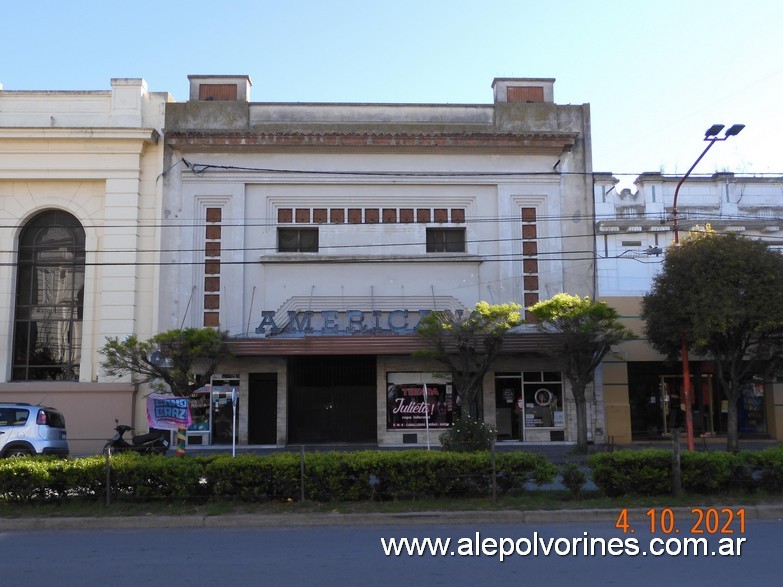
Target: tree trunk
[(732, 421), (467, 405), (730, 386), (581, 421), (469, 388)]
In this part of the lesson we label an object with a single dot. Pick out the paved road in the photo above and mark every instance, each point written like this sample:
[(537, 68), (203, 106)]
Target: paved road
[(344, 555)]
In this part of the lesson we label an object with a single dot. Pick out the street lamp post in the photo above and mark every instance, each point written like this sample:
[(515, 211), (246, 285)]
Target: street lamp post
[(711, 136)]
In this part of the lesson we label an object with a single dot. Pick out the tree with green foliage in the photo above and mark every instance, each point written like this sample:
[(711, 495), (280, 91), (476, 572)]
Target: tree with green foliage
[(468, 344), (585, 331), (182, 359), (724, 293)]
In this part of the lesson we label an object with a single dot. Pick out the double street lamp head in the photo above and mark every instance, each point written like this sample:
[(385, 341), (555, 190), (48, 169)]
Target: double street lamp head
[(712, 133)]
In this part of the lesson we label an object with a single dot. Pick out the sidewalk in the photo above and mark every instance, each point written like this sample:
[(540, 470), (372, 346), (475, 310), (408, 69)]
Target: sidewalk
[(555, 452)]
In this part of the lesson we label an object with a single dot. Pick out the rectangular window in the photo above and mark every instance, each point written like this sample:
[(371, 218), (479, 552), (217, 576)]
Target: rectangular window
[(525, 94), (406, 400), (543, 399), (217, 92), (297, 240), (445, 240)]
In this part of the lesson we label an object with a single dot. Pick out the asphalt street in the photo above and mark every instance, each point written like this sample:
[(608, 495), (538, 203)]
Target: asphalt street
[(468, 553)]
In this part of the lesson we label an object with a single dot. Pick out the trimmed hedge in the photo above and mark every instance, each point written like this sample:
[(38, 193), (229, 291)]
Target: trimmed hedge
[(648, 472), (642, 472), (328, 476), (374, 475), (254, 478), (157, 477), (767, 466)]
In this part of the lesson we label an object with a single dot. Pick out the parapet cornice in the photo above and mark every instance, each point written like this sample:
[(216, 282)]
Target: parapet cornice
[(548, 141), (94, 133)]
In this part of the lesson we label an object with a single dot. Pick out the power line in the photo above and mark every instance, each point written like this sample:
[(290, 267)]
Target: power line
[(201, 168), (324, 249), (267, 223), (363, 245)]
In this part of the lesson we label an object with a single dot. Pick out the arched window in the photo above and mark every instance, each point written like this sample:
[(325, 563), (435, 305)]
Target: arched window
[(49, 299)]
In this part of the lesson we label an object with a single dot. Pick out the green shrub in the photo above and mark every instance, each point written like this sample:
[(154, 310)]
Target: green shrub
[(25, 478), (649, 472), (515, 470), (767, 466), (411, 474), (714, 472), (467, 434), (157, 476), (573, 478), (639, 472), (416, 473), (78, 479)]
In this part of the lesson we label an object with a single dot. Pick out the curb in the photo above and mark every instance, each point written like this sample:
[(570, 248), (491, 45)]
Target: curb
[(756, 512)]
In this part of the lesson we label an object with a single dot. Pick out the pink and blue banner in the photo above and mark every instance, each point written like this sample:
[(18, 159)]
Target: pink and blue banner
[(167, 412)]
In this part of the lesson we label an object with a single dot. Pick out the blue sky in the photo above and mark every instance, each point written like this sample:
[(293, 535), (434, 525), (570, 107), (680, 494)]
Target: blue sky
[(656, 73)]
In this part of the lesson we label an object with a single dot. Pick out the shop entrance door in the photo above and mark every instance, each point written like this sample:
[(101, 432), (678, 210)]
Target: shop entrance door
[(509, 407), (225, 408), (262, 408), (703, 406), (332, 399)]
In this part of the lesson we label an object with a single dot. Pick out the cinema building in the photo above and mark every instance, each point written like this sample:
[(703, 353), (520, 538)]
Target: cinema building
[(317, 235)]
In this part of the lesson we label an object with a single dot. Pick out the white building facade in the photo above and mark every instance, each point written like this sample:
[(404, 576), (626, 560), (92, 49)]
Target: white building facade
[(79, 199), (317, 235), (633, 231)]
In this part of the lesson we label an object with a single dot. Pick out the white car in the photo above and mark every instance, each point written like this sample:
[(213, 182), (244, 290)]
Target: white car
[(26, 429)]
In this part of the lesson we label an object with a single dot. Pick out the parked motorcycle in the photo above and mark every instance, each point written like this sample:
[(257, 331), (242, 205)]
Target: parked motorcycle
[(146, 444)]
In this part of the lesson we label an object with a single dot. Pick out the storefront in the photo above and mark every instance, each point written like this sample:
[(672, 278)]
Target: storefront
[(656, 397), (368, 399), (332, 399), (372, 389), (214, 410), (529, 406)]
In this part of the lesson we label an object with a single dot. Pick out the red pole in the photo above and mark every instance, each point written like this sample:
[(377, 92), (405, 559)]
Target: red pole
[(687, 394)]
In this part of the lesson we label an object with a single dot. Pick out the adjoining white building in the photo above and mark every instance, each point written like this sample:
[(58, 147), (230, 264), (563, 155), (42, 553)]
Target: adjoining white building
[(634, 229), (80, 208), (318, 234)]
